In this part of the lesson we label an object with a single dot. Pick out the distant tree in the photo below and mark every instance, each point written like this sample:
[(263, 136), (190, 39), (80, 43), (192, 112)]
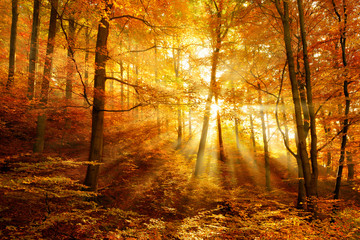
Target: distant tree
[(33, 49), (13, 36), (265, 141), (41, 122), (342, 19)]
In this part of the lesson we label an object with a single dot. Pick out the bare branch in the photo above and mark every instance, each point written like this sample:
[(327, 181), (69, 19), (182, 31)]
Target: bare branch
[(277, 115), (123, 110), (132, 17)]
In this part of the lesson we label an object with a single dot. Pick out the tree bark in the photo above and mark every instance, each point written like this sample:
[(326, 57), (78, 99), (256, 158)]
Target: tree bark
[(33, 49), (287, 142), (96, 147), (122, 97), (236, 129), (310, 105), (302, 151), (40, 135), (13, 37), (347, 101), (221, 156), (70, 64), (350, 166), (265, 140), (179, 127), (252, 133), (157, 83), (86, 63), (201, 151), (190, 116)]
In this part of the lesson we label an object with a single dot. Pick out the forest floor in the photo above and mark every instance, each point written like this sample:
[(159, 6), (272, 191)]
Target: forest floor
[(147, 191)]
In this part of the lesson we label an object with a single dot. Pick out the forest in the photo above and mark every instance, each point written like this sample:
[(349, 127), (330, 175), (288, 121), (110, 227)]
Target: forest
[(179, 119)]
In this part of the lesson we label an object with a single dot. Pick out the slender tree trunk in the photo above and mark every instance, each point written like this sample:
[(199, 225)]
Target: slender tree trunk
[(70, 68), (350, 166), (310, 106), (33, 49), (190, 116), (122, 97), (327, 130), (236, 119), (86, 75), (343, 142), (14, 21), (176, 62), (128, 88), (70, 64), (218, 37), (287, 142), (179, 128), (40, 134), (302, 151), (136, 97), (252, 133), (157, 83), (183, 123), (201, 151), (96, 147), (301, 200), (347, 100), (265, 140), (222, 156), (128, 76), (305, 108), (236, 129)]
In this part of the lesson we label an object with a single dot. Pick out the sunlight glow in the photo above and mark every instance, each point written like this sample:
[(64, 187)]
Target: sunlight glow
[(216, 107)]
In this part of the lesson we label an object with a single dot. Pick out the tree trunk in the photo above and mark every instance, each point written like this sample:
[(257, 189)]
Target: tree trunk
[(347, 102), (157, 83), (301, 200), (327, 130), (222, 156), (40, 134), (122, 101), (287, 142), (310, 106), (70, 64), (33, 49), (343, 142), (252, 133), (190, 113), (303, 155), (14, 21), (136, 97), (265, 140), (236, 129), (201, 151), (96, 147), (179, 128), (86, 77)]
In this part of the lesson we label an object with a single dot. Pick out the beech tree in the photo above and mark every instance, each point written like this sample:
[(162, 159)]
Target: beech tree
[(221, 18), (310, 176), (41, 121), (14, 22), (33, 48), (342, 19), (97, 129)]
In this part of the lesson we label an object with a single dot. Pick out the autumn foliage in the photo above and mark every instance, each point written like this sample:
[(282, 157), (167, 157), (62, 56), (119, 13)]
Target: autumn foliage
[(214, 119)]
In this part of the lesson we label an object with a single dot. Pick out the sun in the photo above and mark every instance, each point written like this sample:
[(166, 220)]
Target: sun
[(214, 109)]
